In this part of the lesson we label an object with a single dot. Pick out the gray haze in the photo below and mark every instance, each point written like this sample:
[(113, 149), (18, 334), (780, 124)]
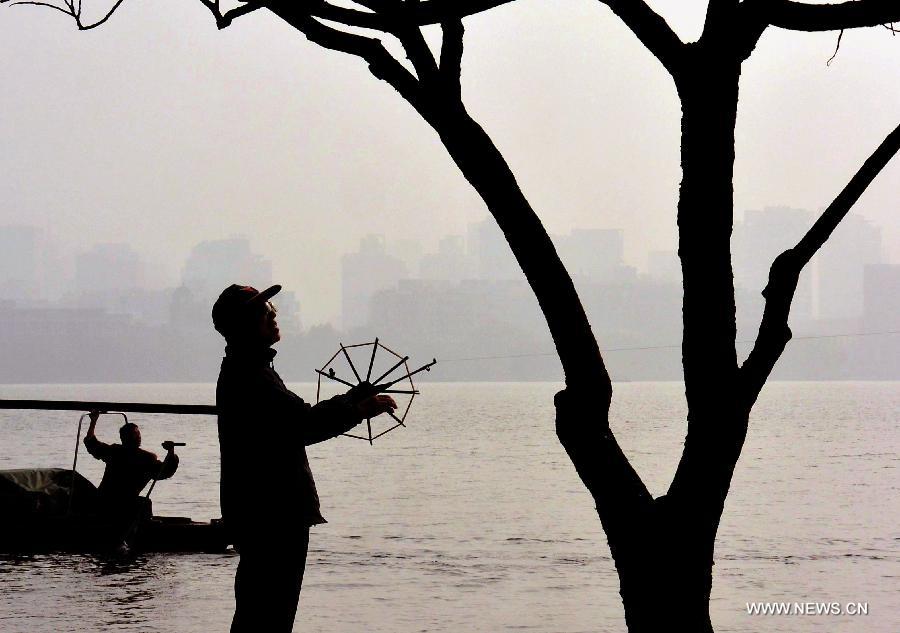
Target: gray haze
[(159, 132)]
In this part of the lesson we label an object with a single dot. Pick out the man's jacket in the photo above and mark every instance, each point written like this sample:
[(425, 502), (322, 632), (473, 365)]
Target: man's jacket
[(267, 487), (128, 470)]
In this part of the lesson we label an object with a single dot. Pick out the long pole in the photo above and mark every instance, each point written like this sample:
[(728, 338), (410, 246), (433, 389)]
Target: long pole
[(107, 407), (75, 463)]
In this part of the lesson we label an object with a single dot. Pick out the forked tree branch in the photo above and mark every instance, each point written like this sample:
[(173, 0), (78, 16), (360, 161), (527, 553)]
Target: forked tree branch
[(405, 29), (651, 29), (381, 64), (774, 332)]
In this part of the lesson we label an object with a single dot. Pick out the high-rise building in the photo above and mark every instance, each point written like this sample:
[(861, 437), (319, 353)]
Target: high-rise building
[(363, 274)]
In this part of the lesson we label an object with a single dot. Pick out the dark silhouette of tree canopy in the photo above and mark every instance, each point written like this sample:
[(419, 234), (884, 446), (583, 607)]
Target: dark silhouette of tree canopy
[(662, 547)]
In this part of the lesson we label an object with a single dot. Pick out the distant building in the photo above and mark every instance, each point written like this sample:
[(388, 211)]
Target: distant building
[(450, 263), (593, 254), (107, 269), (215, 264), (664, 266), (488, 248), (363, 274), (406, 250), (756, 242), (854, 245)]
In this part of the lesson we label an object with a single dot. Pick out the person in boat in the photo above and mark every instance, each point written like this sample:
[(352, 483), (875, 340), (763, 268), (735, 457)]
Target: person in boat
[(268, 495), (128, 469)]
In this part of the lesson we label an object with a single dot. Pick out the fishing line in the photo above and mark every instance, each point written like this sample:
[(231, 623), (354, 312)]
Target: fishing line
[(658, 347)]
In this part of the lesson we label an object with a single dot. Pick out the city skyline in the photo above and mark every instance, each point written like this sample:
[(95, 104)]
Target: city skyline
[(465, 299), (35, 268)]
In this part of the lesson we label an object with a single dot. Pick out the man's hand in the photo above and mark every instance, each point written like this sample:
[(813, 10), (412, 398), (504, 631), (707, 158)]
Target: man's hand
[(170, 445), (376, 405), (360, 392), (93, 416)]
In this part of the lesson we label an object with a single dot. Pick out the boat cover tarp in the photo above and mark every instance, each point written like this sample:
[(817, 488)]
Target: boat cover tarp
[(43, 491)]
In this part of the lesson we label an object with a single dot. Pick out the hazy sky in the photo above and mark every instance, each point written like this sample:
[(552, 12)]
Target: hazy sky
[(158, 130)]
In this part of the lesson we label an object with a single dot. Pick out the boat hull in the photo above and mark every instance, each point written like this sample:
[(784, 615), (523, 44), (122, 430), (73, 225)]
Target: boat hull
[(92, 534)]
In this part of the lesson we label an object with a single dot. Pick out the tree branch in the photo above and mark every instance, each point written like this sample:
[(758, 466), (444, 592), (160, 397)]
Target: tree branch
[(437, 11), (651, 29), (799, 16), (74, 11), (758, 15), (381, 63), (70, 10), (410, 35), (38, 4), (774, 332), (451, 55)]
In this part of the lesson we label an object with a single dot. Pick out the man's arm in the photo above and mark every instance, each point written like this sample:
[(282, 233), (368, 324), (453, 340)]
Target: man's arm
[(359, 404), (337, 415), (97, 449), (169, 465)]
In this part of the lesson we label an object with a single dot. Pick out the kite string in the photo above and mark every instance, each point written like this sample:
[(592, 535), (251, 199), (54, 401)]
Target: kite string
[(658, 347)]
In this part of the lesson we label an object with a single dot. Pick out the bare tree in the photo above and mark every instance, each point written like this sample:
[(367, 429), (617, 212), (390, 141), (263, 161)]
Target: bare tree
[(662, 547)]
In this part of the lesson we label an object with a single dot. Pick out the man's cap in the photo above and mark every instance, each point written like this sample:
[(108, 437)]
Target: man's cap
[(235, 303)]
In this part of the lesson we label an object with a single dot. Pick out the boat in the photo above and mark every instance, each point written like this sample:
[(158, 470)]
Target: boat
[(55, 510)]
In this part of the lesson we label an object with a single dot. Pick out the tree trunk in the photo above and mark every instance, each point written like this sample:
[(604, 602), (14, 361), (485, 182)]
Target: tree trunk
[(664, 548), (665, 561), (664, 581), (717, 421), (665, 570)]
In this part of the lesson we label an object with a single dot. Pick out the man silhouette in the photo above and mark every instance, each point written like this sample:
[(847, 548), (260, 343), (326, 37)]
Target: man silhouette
[(128, 469), (268, 494)]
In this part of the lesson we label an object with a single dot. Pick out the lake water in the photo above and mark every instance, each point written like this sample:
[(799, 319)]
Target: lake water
[(473, 519)]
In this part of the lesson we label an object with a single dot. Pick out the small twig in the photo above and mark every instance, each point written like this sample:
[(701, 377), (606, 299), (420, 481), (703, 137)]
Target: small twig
[(836, 48)]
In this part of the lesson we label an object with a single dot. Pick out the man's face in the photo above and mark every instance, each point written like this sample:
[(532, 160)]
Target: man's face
[(266, 325), (133, 438)]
